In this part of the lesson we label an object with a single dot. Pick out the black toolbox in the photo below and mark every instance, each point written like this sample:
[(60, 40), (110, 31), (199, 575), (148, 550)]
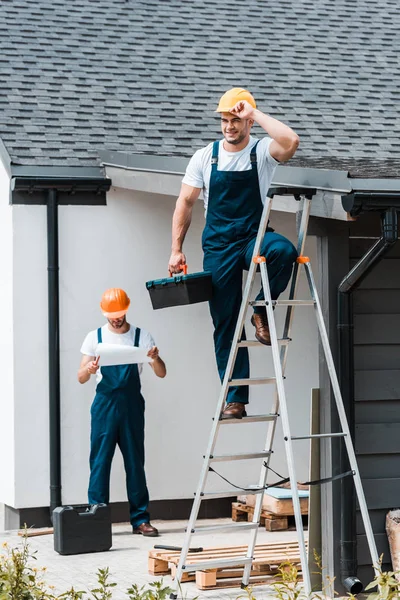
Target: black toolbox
[(181, 289), (80, 529)]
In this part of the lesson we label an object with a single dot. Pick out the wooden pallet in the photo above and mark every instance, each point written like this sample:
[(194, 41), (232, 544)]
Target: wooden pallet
[(267, 558), (271, 522)]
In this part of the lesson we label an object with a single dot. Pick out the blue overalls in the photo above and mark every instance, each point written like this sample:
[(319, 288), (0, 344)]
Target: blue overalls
[(118, 418), (232, 222)]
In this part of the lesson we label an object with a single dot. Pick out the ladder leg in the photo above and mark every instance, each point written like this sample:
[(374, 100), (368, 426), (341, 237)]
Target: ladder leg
[(287, 437), (343, 419)]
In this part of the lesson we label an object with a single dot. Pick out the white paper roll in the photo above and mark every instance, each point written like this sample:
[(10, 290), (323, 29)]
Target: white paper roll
[(118, 354)]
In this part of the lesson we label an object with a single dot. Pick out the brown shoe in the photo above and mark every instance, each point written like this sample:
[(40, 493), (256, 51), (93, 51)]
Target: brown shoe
[(146, 529), (234, 410), (260, 322)]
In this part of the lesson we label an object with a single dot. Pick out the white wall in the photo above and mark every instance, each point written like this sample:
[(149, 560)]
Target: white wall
[(6, 344), (124, 244)]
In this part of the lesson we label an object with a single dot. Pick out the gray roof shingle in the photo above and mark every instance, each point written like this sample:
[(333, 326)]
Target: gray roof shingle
[(144, 76)]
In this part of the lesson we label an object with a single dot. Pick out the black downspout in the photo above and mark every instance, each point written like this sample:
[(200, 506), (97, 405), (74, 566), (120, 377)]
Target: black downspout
[(54, 350), (348, 543)]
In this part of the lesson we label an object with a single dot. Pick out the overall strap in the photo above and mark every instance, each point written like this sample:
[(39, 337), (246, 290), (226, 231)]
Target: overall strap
[(253, 156), (99, 336), (137, 337), (214, 157)]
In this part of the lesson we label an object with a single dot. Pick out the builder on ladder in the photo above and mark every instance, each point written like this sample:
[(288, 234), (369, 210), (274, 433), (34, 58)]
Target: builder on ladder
[(235, 174)]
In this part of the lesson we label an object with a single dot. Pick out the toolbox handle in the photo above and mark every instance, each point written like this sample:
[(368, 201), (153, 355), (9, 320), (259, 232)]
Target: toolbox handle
[(184, 269)]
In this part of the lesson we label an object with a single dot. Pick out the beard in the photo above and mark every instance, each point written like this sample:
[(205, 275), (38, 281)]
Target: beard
[(240, 137), (117, 323)]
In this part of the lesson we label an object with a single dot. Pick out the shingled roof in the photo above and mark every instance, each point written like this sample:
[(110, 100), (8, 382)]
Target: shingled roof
[(144, 76)]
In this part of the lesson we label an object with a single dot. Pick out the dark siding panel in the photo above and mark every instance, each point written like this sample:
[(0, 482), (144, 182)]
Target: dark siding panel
[(382, 493), (379, 466), (377, 517), (384, 411), (358, 247), (376, 302), (383, 276), (366, 574), (377, 329), (377, 385), (376, 358), (363, 555), (378, 438)]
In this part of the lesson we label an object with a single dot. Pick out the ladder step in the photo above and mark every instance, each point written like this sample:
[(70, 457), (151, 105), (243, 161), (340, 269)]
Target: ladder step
[(284, 303), (215, 564), (249, 419), (229, 457), (209, 528), (318, 435), (252, 381), (251, 343), (230, 493)]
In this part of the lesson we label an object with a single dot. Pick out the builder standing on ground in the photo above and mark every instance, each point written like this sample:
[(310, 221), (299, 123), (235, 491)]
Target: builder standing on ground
[(235, 174), (117, 412)]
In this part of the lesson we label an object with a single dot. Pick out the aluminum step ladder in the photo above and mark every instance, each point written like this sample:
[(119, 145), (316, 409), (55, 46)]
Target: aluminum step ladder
[(279, 348)]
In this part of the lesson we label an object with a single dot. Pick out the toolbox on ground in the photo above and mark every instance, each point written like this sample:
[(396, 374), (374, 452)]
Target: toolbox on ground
[(181, 289), (79, 529)]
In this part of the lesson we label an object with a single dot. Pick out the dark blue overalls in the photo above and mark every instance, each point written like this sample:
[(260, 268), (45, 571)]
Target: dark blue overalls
[(233, 217), (118, 418)]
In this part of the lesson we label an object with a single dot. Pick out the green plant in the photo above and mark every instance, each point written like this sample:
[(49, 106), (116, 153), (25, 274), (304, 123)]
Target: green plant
[(103, 592), (18, 579), (72, 594), (386, 582), (155, 591)]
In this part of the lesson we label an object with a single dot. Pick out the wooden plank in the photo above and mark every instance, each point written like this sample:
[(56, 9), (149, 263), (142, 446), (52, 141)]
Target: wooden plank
[(376, 301), (382, 493), (384, 276), (35, 532), (377, 357), (377, 385), (377, 329)]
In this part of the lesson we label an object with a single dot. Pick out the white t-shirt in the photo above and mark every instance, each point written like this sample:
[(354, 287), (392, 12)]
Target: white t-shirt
[(198, 171), (90, 342)]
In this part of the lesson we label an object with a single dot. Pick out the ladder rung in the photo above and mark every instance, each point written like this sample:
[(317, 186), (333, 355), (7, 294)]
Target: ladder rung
[(252, 381), (251, 343), (293, 302), (284, 303), (230, 493), (207, 528), (229, 457), (318, 435), (249, 419), (214, 564)]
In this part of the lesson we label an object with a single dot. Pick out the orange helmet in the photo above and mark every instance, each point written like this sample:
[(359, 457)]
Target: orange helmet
[(114, 303), (229, 99)]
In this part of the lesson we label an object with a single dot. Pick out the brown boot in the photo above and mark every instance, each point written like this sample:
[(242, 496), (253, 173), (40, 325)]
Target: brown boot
[(146, 529), (260, 322), (234, 410)]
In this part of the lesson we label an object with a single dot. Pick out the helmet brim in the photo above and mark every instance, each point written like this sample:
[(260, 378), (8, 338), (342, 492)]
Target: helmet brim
[(115, 315)]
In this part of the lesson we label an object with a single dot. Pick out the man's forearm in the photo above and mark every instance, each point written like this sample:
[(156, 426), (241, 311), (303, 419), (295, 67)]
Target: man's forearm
[(284, 135), (159, 367), (180, 224), (83, 374)]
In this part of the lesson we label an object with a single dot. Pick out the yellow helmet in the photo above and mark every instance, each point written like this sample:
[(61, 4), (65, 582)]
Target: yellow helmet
[(229, 99)]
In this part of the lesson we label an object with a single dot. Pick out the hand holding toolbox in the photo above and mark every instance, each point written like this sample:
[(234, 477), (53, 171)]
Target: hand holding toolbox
[(180, 289)]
